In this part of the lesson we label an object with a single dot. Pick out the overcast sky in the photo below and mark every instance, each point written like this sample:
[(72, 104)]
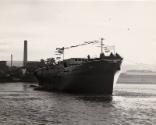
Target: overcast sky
[(47, 24)]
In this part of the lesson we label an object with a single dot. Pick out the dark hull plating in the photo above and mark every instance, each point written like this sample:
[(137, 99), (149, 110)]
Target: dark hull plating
[(93, 77)]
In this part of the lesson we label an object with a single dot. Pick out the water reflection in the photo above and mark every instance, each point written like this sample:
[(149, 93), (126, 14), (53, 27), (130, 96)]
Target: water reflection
[(20, 104), (101, 98)]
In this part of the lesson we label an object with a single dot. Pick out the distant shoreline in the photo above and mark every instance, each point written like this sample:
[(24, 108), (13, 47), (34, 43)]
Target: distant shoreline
[(135, 83), (136, 79)]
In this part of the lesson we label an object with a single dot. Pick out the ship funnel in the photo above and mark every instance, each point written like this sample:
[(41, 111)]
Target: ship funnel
[(25, 53)]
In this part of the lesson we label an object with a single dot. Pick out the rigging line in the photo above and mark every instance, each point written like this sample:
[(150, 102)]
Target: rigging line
[(85, 43)]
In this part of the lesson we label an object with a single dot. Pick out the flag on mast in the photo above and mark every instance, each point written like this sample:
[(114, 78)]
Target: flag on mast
[(60, 50)]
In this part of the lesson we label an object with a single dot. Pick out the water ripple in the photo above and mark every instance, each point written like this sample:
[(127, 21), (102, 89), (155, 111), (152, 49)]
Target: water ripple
[(128, 105)]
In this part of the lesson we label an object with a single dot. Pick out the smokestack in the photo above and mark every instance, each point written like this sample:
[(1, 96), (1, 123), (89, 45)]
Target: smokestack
[(11, 60), (25, 53)]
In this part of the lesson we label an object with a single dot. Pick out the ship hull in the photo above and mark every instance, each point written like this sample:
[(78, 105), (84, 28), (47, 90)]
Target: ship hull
[(94, 77)]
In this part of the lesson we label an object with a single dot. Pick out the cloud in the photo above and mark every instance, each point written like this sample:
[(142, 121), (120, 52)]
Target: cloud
[(3, 50), (3, 43)]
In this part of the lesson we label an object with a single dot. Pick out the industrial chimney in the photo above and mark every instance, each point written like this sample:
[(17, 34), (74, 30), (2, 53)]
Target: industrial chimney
[(25, 53), (11, 60)]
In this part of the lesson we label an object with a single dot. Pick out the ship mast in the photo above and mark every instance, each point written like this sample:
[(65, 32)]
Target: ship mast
[(63, 53)]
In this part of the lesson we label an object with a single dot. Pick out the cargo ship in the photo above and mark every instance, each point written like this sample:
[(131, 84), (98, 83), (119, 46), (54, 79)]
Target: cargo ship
[(81, 75)]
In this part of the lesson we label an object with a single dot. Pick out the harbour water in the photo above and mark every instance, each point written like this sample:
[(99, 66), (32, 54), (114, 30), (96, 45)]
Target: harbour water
[(131, 104)]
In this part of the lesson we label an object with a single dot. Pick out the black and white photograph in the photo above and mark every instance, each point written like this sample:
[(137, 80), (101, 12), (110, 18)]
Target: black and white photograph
[(77, 62)]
